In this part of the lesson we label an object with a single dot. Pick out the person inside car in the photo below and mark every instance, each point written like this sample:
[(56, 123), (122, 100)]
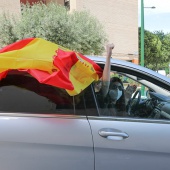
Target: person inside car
[(112, 97)]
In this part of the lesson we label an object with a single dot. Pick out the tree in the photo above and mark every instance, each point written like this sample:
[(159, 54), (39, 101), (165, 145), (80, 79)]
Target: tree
[(156, 46), (160, 34), (77, 31), (165, 48), (165, 39)]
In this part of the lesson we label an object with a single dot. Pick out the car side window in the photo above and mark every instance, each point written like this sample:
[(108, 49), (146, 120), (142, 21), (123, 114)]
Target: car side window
[(137, 98), (24, 94)]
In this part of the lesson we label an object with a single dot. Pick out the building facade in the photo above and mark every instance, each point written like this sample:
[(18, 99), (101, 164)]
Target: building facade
[(8, 6), (119, 18)]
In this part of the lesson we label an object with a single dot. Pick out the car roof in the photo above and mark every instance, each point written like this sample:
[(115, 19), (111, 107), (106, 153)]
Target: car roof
[(131, 66)]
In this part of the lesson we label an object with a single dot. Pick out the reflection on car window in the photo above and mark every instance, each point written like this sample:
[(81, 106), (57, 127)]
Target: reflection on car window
[(20, 93), (138, 99)]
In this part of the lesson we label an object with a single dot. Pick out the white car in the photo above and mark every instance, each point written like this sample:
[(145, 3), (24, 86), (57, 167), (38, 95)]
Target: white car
[(43, 128)]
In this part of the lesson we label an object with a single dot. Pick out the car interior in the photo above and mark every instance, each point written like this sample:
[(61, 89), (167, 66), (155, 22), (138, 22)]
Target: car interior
[(148, 101), (24, 94)]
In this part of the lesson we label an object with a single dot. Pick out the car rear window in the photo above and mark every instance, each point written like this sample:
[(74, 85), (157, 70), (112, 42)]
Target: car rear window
[(23, 93)]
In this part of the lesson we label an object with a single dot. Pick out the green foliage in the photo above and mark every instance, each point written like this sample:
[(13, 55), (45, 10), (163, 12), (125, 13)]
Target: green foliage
[(156, 49), (7, 32), (77, 31), (160, 34)]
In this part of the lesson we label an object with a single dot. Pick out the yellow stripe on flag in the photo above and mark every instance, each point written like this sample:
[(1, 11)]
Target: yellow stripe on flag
[(38, 54)]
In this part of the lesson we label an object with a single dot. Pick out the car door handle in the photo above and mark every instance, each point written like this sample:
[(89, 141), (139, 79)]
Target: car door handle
[(113, 134)]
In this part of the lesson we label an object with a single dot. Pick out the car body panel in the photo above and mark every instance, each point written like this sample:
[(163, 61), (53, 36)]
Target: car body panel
[(129, 143), (45, 142), (147, 145)]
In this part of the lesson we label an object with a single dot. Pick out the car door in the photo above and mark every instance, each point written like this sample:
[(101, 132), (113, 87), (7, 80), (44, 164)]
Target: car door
[(130, 144), (127, 142), (39, 129), (45, 142)]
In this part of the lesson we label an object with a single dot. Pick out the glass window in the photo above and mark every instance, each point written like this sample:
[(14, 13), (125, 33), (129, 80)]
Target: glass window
[(67, 4), (23, 93), (133, 97)]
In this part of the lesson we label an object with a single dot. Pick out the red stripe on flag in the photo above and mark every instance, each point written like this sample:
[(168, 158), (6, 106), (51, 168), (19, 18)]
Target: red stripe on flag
[(17, 45), (55, 79), (3, 74), (64, 61)]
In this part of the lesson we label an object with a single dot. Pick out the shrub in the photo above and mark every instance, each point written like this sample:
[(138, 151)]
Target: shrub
[(79, 31)]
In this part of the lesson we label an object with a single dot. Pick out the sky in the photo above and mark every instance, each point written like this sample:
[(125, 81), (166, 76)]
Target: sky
[(157, 19)]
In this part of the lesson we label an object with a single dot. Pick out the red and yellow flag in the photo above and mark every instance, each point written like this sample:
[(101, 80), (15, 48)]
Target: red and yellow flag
[(50, 64)]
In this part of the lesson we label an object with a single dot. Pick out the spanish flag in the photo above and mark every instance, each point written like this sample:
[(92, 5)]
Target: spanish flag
[(50, 64)]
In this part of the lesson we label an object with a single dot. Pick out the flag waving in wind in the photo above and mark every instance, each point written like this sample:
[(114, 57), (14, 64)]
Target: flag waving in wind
[(50, 64)]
